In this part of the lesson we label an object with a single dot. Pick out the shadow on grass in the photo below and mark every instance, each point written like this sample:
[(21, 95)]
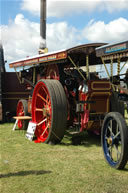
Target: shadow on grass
[(82, 138), (24, 173), (125, 169)]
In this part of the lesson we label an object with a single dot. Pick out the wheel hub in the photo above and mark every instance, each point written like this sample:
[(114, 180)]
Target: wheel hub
[(46, 112), (110, 141)]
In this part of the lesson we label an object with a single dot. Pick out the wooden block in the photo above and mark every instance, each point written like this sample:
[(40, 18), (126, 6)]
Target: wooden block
[(23, 118)]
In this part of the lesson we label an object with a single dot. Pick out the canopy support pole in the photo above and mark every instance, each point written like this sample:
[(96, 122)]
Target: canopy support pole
[(17, 75), (105, 67), (123, 65), (111, 68), (76, 67), (118, 66), (34, 75), (87, 66)]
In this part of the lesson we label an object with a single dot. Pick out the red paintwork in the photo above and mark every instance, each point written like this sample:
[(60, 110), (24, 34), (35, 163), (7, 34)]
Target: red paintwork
[(20, 112), (39, 59), (99, 91), (41, 110), (84, 120)]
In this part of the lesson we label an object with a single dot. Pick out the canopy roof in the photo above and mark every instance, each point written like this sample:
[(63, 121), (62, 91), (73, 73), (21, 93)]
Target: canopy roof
[(113, 51), (77, 53)]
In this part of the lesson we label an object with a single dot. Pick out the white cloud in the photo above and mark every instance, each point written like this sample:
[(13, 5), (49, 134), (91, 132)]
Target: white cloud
[(114, 31), (60, 8), (61, 35), (115, 5), (63, 8), (21, 37)]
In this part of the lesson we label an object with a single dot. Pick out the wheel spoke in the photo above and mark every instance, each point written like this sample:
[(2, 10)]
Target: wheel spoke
[(116, 135), (44, 131), (110, 148), (48, 100), (110, 128), (111, 123), (44, 90), (37, 109), (118, 153), (110, 151), (42, 98), (42, 122)]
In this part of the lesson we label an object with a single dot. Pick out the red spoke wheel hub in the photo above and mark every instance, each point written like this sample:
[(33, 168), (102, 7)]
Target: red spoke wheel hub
[(49, 111)]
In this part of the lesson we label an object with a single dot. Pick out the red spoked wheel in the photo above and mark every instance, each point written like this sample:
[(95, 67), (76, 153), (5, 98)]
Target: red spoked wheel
[(52, 72), (49, 111), (22, 110)]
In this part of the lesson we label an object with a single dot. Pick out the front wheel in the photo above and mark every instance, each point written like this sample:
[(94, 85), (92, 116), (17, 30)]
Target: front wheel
[(114, 140)]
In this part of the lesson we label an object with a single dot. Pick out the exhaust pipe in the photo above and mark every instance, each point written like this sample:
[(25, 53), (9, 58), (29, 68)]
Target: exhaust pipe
[(42, 48)]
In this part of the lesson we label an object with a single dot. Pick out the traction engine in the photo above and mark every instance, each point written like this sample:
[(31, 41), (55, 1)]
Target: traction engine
[(64, 93)]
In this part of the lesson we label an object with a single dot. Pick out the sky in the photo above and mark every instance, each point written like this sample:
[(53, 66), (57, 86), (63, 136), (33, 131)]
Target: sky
[(69, 23)]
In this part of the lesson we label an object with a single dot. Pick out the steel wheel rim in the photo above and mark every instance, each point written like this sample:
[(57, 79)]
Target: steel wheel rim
[(20, 112), (112, 142), (41, 111)]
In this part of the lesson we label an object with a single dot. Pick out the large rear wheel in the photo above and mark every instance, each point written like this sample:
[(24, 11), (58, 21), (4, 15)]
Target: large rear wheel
[(49, 111), (114, 139)]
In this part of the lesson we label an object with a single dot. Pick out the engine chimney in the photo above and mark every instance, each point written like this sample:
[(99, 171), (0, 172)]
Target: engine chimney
[(42, 48)]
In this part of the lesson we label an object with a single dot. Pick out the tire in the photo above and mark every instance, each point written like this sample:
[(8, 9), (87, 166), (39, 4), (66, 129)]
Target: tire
[(49, 111), (115, 104), (114, 140), (22, 110)]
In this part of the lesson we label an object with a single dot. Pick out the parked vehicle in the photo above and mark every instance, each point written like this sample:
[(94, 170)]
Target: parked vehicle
[(11, 90), (63, 94)]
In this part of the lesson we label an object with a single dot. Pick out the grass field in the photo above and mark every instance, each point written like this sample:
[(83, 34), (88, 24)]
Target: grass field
[(27, 167)]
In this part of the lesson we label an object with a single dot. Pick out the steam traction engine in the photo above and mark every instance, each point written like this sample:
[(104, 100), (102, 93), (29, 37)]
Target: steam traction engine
[(64, 93)]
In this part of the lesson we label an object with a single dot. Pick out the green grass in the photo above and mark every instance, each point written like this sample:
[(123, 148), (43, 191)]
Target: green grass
[(27, 167), (126, 116)]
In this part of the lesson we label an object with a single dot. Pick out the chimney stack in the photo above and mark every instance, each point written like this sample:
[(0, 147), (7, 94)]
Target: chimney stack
[(42, 48)]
